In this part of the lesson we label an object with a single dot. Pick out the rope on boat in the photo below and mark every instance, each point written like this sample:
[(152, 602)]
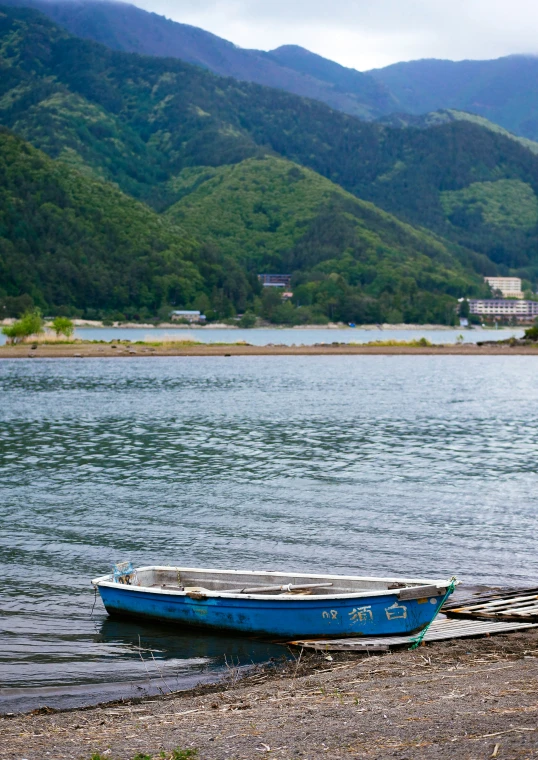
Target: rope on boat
[(417, 641), (94, 600)]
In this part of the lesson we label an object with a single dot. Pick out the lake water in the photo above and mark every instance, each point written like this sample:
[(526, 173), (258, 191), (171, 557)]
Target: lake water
[(287, 335), (293, 336), (417, 465)]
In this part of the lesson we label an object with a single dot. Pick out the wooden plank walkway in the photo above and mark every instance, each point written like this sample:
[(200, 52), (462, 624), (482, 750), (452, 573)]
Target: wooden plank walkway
[(516, 605), (441, 629)]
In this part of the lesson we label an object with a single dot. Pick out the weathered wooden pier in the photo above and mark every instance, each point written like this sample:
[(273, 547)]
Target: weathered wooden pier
[(441, 629), (484, 614), (516, 605)]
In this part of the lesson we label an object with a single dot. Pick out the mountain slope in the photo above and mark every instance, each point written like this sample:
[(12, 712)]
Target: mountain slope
[(343, 81), (445, 116), (503, 90), (348, 258), (139, 121), (125, 27), (79, 246), (500, 90)]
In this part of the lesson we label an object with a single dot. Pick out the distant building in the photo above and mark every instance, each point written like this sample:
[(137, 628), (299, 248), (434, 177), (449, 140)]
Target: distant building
[(189, 316), (275, 280), (501, 308), (510, 287)]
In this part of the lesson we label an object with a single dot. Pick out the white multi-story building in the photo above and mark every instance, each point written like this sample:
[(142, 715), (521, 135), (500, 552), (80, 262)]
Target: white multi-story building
[(501, 308), (510, 287)]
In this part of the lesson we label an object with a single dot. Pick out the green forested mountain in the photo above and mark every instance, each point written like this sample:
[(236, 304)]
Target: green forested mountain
[(349, 259), (447, 115), (122, 26), (138, 121), (77, 245), (167, 133)]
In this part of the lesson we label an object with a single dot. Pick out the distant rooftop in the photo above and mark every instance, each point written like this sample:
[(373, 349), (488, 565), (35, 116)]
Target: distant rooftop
[(275, 280), (189, 315)]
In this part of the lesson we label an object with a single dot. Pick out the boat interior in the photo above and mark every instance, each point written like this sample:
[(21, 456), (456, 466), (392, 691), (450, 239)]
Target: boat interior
[(267, 583)]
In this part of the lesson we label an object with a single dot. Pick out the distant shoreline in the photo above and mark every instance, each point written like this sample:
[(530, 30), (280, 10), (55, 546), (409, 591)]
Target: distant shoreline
[(126, 351), (84, 324)]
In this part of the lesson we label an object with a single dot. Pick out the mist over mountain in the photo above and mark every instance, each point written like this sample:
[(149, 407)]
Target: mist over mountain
[(503, 91)]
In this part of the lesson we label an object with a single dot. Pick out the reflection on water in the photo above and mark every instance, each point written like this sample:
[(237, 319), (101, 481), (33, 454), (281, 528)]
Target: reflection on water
[(145, 658), (374, 465)]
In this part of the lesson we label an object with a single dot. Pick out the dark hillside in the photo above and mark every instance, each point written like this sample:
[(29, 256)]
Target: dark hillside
[(349, 260), (447, 115), (121, 26), (78, 246)]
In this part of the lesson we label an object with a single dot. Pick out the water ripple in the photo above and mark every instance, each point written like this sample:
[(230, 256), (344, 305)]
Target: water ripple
[(412, 465)]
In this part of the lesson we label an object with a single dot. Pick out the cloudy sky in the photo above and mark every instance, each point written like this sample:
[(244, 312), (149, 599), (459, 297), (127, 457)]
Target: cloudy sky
[(365, 34)]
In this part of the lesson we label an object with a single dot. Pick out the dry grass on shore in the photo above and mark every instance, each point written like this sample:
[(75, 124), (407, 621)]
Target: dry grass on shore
[(415, 343), (166, 342), (466, 699)]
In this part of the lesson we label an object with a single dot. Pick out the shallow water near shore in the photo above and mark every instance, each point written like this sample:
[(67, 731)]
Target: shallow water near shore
[(412, 465)]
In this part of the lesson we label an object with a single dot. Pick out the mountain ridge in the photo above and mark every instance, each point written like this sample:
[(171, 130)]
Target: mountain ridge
[(138, 121), (125, 27), (447, 115), (500, 90)]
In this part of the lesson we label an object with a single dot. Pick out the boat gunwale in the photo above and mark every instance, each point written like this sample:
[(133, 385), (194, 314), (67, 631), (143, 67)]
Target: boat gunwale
[(108, 582)]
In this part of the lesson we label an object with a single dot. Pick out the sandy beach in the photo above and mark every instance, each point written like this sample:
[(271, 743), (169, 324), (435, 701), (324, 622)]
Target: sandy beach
[(126, 350), (473, 698)]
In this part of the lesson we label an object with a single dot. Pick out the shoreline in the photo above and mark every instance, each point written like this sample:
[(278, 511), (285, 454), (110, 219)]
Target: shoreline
[(132, 350), (331, 326), (461, 698)]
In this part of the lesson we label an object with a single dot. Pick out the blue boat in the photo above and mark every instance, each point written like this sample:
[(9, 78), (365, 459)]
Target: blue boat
[(281, 605)]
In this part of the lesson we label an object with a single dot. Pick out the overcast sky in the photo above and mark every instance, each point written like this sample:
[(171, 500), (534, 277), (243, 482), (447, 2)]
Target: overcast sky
[(366, 34)]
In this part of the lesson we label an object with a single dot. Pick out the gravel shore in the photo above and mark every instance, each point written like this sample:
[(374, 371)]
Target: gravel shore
[(465, 699), (123, 350)]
